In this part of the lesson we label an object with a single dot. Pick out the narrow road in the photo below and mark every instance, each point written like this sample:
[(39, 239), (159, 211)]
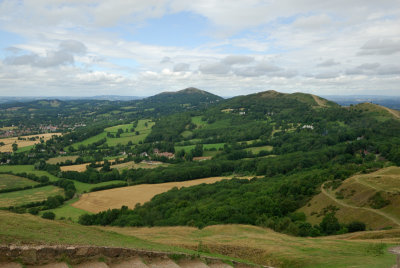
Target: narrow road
[(342, 203)]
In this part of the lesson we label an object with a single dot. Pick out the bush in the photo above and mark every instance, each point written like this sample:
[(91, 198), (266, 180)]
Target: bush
[(33, 211), (49, 215), (356, 226)]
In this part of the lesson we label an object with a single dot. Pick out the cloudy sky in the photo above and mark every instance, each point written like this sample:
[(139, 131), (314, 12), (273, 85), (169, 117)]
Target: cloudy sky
[(228, 47)]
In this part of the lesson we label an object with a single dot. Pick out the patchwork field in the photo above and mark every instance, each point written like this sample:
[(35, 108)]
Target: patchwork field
[(143, 127), (61, 159), (131, 195), (24, 143), (8, 181), (353, 200), (30, 195), (28, 169)]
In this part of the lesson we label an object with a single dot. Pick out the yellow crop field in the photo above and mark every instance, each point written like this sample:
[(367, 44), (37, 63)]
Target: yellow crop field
[(24, 143)]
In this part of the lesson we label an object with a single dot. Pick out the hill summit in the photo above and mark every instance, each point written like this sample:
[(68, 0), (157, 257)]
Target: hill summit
[(188, 96)]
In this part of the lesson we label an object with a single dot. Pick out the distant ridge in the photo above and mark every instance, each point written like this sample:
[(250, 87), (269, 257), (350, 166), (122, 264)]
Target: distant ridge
[(191, 96)]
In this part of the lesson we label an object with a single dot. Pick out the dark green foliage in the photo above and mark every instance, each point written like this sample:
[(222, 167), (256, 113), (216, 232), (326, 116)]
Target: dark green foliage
[(356, 226), (330, 224), (377, 201), (49, 215)]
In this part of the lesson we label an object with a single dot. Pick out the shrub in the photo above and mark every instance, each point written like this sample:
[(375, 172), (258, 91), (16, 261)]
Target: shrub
[(356, 226), (49, 215)]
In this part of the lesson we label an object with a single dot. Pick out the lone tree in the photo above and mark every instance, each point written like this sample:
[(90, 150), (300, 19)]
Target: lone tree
[(14, 147)]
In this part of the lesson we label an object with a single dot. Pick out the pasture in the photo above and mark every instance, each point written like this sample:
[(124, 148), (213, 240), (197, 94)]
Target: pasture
[(8, 181), (256, 150), (30, 195), (61, 159), (133, 165), (27, 169), (24, 143), (206, 147), (131, 195), (67, 211)]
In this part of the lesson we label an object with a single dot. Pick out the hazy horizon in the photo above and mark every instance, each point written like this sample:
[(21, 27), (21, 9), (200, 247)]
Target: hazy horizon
[(135, 48)]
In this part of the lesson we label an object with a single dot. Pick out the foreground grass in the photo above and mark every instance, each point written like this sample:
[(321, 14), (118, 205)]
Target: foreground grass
[(265, 247), (20, 229)]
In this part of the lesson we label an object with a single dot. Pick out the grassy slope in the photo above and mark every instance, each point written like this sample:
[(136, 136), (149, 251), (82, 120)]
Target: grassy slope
[(264, 246), (19, 229), (8, 181), (28, 169), (355, 206)]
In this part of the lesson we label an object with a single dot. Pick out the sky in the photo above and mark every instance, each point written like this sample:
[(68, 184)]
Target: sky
[(227, 47)]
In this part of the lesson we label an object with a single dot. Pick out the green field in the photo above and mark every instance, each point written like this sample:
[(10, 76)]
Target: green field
[(90, 140), (85, 187), (114, 129), (198, 122), (8, 181), (67, 211), (30, 195), (25, 149), (125, 136), (60, 159), (256, 150), (28, 169), (188, 148)]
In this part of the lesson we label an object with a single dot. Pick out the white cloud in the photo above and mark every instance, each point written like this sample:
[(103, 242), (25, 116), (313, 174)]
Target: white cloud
[(256, 45)]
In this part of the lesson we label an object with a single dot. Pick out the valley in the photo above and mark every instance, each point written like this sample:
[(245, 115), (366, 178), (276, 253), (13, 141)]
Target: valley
[(274, 179)]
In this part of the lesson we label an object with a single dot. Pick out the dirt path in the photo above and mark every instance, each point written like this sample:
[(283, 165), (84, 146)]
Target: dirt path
[(342, 203), (318, 101), (394, 113)]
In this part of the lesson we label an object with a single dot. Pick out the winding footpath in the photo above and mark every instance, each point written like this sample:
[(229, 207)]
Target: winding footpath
[(342, 203)]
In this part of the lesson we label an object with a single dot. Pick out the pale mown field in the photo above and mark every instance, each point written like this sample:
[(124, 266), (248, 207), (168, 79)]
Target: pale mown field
[(131, 195)]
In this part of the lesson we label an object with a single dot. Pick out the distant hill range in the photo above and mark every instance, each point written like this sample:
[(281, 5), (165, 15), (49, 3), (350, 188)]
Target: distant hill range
[(392, 102), (13, 99)]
